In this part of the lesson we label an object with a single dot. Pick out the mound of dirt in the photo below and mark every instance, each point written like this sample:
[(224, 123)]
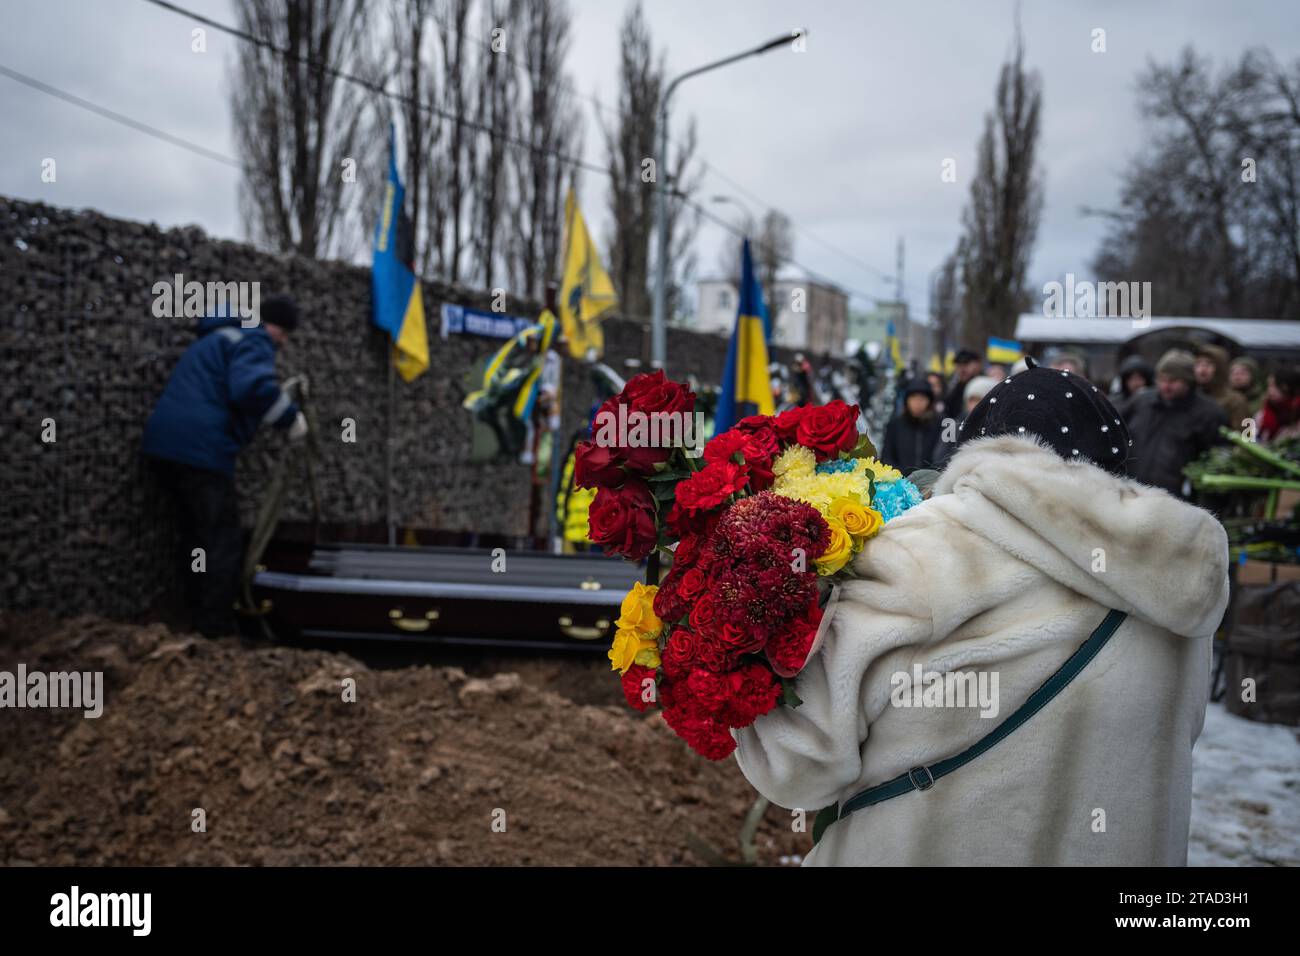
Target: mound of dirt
[(429, 764)]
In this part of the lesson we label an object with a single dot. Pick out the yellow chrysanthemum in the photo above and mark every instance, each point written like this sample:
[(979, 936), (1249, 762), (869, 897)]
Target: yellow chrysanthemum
[(795, 462), (838, 552), (820, 490), (879, 470), (637, 612)]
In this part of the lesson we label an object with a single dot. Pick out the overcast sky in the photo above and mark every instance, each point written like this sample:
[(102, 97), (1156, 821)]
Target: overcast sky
[(848, 137)]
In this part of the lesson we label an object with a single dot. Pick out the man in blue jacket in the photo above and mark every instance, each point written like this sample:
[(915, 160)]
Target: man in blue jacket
[(221, 390)]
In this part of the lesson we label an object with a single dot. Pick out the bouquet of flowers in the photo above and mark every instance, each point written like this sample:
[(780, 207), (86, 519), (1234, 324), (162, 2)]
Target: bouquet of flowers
[(758, 531)]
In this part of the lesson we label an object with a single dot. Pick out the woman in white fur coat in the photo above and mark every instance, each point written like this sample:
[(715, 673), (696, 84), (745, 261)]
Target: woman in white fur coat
[(1031, 536)]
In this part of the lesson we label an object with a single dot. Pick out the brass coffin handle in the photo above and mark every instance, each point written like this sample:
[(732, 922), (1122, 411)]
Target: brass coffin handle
[(412, 623), (581, 633)]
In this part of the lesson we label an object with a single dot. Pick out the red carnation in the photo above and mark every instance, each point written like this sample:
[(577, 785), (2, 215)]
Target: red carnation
[(710, 487), (622, 520), (754, 692), (755, 447), (638, 684), (828, 429), (787, 651)]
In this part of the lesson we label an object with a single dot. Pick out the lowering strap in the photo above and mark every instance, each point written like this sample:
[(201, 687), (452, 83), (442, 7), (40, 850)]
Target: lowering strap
[(923, 778)]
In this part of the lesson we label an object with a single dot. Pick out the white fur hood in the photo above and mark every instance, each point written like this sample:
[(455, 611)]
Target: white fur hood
[(1123, 544)]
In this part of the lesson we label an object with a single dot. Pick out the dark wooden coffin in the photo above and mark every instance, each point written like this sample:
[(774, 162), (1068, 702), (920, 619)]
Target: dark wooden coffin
[(447, 595)]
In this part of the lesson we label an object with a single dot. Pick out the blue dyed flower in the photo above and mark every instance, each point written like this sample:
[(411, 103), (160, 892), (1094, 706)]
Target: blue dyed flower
[(838, 466), (894, 497)]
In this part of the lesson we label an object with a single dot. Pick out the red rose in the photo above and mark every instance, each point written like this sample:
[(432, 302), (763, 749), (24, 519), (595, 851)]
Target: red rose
[(638, 684), (692, 584), (740, 640), (595, 466), (710, 487), (703, 613), (679, 653), (669, 603), (622, 520), (786, 425), (655, 392), (829, 429), (763, 439)]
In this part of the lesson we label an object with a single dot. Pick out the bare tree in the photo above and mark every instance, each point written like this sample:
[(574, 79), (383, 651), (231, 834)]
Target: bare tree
[(496, 93), (415, 70), (295, 123), (1001, 219), (550, 125), (945, 304), (1210, 212), (773, 250), (449, 206), (629, 142)]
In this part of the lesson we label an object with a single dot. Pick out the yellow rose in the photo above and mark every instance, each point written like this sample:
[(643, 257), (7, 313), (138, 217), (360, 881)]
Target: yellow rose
[(627, 646), (649, 656), (638, 612), (838, 551), (861, 523)]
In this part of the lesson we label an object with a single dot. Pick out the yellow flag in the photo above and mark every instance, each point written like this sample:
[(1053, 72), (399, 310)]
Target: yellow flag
[(411, 351), (586, 293)]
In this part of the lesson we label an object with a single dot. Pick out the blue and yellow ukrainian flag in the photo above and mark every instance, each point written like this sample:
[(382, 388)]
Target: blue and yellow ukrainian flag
[(892, 345), (746, 385), (1004, 351), (398, 302)]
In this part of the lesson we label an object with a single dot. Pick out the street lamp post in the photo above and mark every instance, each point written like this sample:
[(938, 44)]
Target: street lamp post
[(658, 331)]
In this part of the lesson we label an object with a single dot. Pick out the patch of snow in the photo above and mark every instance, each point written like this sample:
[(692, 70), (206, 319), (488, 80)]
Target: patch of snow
[(1245, 793)]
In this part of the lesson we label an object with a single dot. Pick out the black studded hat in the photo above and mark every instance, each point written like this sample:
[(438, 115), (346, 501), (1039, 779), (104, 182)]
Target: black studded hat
[(1064, 410)]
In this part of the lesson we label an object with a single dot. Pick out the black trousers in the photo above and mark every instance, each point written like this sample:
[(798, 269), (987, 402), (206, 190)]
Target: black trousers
[(208, 515)]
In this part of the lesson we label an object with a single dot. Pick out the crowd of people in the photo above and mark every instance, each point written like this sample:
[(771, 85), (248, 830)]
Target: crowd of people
[(1173, 410)]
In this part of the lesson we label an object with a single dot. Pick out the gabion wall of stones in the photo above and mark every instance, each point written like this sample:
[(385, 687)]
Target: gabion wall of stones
[(83, 526)]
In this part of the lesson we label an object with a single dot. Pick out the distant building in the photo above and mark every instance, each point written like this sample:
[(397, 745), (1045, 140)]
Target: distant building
[(807, 315)]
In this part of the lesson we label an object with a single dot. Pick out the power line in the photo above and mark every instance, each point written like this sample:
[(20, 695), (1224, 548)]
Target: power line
[(576, 162), (203, 151), (119, 118), (862, 263), (709, 168)]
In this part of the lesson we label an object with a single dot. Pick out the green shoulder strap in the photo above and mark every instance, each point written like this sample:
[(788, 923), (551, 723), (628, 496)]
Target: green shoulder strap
[(923, 778)]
